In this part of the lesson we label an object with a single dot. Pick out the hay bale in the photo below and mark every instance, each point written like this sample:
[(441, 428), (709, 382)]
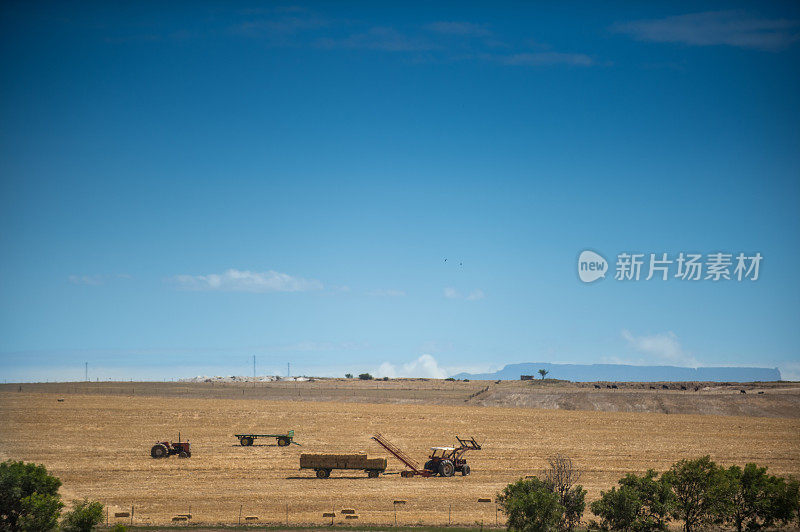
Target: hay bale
[(187, 516), (179, 518), (348, 511), (122, 514), (484, 500), (400, 502), (351, 517), (251, 518), (329, 514)]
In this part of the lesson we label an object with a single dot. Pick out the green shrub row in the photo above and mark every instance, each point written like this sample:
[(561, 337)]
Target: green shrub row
[(697, 493)]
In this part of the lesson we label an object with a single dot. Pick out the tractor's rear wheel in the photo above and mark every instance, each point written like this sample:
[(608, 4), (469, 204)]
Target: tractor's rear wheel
[(183, 454), (465, 470), (446, 468), (323, 473), (283, 442), (159, 450)]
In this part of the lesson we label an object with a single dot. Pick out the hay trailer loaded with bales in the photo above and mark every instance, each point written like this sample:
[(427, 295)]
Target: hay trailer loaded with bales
[(323, 464), (443, 461), (284, 440)]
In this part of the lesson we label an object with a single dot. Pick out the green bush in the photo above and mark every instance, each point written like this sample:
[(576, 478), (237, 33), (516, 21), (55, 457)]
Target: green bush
[(40, 512), (531, 506), (618, 509), (641, 504), (758, 500), (348, 375), (28, 496), (83, 517), (701, 491), (365, 377)]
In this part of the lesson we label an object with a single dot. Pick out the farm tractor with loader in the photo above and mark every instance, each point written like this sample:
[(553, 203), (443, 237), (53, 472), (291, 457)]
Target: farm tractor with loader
[(165, 449), (443, 461)]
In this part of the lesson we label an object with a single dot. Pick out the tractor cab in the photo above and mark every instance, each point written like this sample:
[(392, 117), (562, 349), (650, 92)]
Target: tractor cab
[(442, 453)]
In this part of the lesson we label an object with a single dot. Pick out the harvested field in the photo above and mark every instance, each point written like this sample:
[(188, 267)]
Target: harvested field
[(99, 446), (762, 399)]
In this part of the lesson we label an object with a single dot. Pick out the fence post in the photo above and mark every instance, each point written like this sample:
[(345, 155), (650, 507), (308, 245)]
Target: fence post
[(240, 514), (449, 512), (287, 514), (132, 507)]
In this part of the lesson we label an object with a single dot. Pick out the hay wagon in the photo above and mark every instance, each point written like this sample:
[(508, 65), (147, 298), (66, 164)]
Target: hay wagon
[(323, 464), (283, 439)]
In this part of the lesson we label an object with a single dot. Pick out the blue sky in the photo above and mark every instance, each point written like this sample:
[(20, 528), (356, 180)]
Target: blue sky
[(182, 188)]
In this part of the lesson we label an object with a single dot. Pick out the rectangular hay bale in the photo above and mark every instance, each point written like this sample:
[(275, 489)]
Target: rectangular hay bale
[(251, 518), (351, 517), (484, 500), (348, 511), (122, 514)]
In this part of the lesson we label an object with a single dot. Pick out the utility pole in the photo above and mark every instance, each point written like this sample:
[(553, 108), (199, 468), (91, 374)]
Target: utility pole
[(288, 369), (86, 372), (254, 368)]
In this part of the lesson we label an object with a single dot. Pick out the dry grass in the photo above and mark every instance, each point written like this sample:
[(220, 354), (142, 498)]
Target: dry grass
[(99, 446)]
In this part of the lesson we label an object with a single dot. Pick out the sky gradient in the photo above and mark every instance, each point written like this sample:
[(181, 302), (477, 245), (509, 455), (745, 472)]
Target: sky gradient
[(404, 191)]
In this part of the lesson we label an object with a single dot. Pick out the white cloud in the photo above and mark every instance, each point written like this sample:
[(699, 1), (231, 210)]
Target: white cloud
[(790, 371), (475, 295), (386, 293), (542, 59), (452, 293), (731, 28), (459, 28), (96, 280), (664, 347), (246, 281), (89, 280), (425, 366)]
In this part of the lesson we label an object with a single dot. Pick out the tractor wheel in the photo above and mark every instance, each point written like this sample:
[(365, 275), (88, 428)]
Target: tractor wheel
[(283, 442), (465, 470), (183, 454), (446, 468), (430, 465), (159, 450), (246, 441), (323, 473), (373, 473), (188, 454)]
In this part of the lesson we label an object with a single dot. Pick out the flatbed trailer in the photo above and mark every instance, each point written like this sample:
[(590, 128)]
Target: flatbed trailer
[(283, 439), (323, 464)]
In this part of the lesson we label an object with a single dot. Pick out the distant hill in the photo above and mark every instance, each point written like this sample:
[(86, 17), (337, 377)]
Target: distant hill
[(624, 373)]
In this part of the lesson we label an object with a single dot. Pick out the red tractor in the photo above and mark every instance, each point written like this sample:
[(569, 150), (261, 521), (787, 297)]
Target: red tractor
[(165, 449), (447, 461)]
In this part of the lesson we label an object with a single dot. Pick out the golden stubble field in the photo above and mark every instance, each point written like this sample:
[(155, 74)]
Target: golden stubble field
[(99, 446)]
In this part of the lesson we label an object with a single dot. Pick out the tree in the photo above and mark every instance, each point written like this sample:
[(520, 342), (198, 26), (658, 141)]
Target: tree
[(348, 375), (40, 512), (365, 377), (641, 504), (758, 500), (562, 475), (531, 505), (543, 372), (19, 482), (85, 515), (618, 509), (700, 491)]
